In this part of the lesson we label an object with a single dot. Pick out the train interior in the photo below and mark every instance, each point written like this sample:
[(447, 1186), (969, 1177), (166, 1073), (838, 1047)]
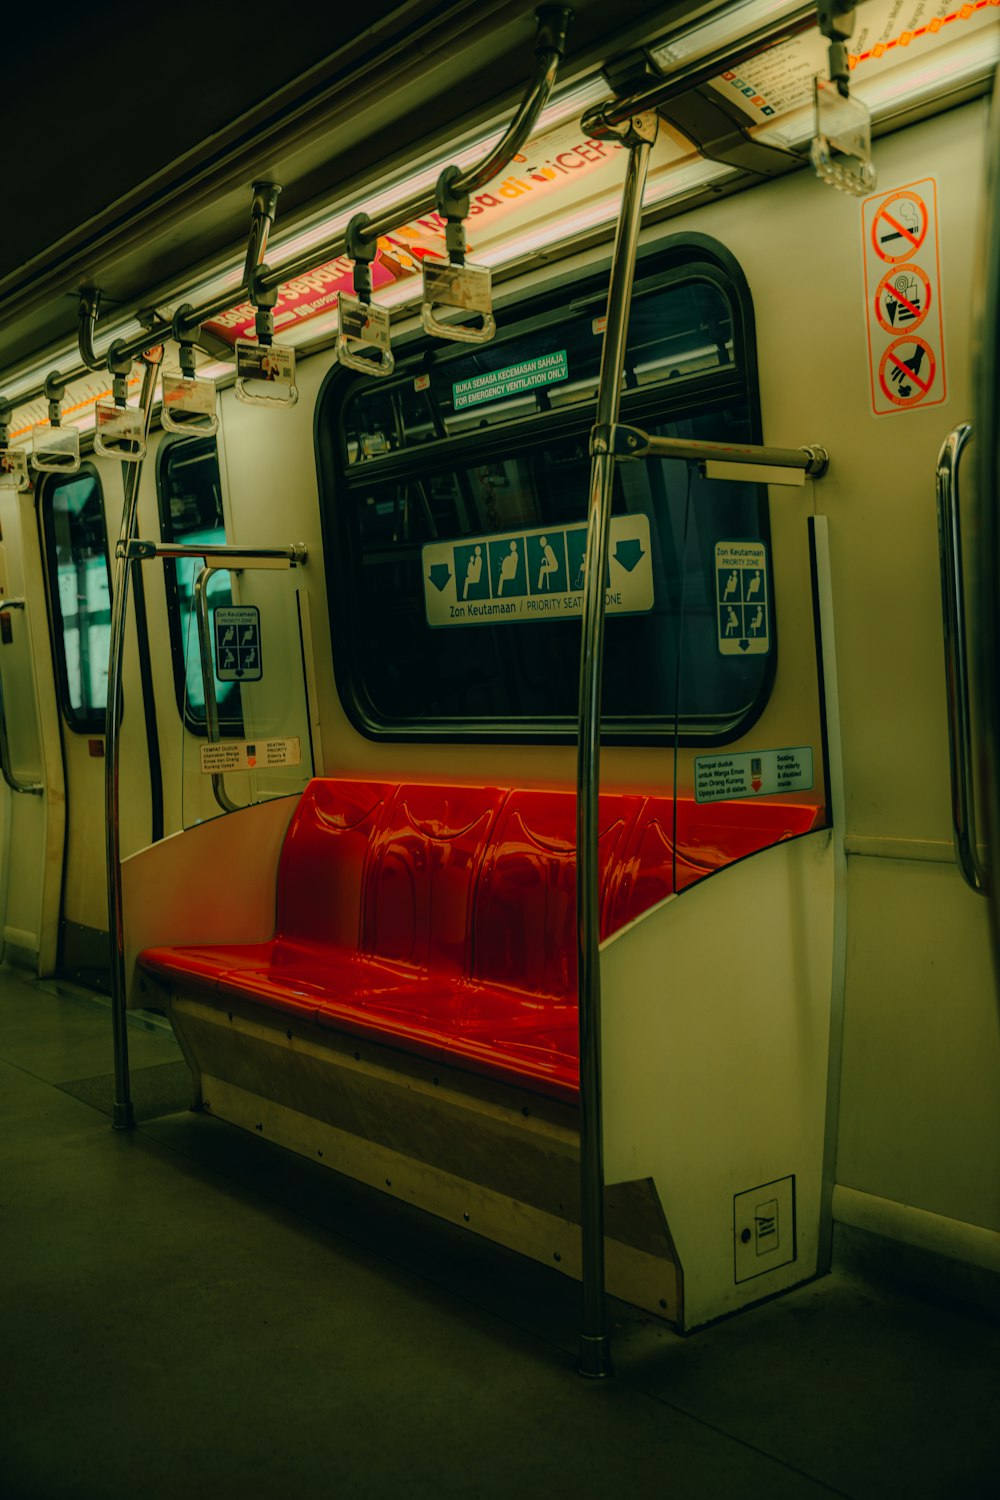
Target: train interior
[(501, 762)]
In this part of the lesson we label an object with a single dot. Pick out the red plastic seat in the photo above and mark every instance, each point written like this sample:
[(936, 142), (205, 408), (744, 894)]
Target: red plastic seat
[(442, 919)]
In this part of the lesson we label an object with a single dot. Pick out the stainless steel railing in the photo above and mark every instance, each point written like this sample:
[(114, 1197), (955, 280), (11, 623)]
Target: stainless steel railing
[(613, 442), (552, 23), (956, 659), (594, 1346), (123, 1117)]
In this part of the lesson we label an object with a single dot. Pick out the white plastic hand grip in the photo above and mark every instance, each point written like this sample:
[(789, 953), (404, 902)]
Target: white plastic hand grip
[(462, 333), (55, 450), (189, 406)]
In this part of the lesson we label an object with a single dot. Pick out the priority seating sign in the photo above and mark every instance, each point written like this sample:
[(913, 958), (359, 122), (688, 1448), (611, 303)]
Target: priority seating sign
[(903, 298)]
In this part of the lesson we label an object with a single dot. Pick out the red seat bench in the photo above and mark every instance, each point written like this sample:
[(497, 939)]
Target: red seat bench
[(442, 919)]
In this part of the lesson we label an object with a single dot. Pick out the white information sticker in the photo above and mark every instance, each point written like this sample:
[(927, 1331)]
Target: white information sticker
[(264, 361), (250, 755), (756, 773), (743, 612), (534, 575), (237, 643), (14, 468), (365, 321), (184, 395), (468, 287)]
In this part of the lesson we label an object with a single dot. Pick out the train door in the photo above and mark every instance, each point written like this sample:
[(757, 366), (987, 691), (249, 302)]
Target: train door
[(78, 512), (32, 794)]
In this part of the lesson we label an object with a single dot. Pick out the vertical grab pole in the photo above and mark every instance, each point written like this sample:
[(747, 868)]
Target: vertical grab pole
[(124, 1116), (638, 135)]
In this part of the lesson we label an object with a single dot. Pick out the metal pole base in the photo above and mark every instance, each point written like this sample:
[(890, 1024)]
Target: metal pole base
[(595, 1356), (123, 1117)]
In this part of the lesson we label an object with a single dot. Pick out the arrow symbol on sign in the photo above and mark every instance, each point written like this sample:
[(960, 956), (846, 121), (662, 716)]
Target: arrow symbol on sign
[(744, 645), (439, 575), (756, 783), (629, 552)]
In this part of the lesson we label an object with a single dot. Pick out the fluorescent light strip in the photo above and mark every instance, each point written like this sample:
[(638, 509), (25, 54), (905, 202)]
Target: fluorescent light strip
[(737, 21)]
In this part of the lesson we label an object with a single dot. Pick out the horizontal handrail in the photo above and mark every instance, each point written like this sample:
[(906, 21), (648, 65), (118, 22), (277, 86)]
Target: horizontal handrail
[(632, 442), (138, 550), (550, 46), (956, 656)]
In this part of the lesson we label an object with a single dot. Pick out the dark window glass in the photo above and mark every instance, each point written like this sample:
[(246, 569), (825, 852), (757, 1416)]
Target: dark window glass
[(190, 493), (409, 464), (80, 587), (676, 336)]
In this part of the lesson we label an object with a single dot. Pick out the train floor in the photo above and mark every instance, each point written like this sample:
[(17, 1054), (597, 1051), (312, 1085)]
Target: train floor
[(189, 1311)]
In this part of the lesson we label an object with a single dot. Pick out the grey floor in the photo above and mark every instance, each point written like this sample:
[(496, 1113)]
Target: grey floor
[(185, 1310)]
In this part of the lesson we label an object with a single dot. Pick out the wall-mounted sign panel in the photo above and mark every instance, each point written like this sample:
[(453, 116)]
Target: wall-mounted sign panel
[(534, 575)]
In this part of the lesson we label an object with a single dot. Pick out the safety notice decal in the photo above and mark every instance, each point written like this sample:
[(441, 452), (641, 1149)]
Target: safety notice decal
[(742, 611), (248, 755), (902, 295), (515, 576), (755, 773)]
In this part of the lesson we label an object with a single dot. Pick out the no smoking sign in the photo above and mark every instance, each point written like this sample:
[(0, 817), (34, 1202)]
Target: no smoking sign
[(902, 295)]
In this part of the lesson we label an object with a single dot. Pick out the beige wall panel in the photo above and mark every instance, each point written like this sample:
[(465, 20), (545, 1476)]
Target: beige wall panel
[(920, 1093), (800, 247)]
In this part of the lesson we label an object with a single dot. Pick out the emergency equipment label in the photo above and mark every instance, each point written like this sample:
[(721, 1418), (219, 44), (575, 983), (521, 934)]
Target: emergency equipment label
[(757, 773), (547, 369), (534, 575), (903, 294), (250, 755), (237, 644), (741, 599)]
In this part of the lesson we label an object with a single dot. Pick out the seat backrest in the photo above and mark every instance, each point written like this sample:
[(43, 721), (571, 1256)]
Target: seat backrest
[(709, 837), (322, 865), (525, 922), (424, 864)]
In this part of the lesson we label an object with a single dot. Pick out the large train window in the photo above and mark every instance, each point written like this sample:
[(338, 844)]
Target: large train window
[(190, 495), (76, 545), (474, 447)]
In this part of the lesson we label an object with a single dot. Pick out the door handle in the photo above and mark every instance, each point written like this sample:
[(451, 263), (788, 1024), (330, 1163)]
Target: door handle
[(29, 788), (956, 658)]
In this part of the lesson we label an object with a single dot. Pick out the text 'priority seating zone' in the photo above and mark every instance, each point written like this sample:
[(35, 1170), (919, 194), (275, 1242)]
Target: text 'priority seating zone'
[(442, 919)]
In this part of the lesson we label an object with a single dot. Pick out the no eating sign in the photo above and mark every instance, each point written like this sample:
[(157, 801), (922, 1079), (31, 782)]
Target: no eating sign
[(903, 294)]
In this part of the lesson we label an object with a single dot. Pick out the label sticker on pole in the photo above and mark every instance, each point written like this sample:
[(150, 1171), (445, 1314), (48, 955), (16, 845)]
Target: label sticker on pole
[(514, 576), (742, 599), (902, 294), (237, 643)]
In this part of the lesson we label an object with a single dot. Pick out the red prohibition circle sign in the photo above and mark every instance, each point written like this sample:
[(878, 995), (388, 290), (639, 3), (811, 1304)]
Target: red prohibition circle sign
[(899, 227), (906, 371), (903, 299)]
